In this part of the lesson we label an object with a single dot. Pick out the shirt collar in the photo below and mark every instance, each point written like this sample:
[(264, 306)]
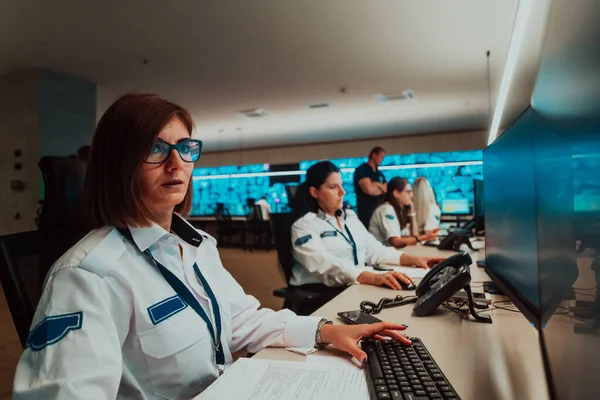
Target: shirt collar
[(324, 216), (144, 237)]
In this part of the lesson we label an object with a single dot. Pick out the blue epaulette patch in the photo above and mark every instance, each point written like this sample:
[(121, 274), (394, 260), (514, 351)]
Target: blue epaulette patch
[(302, 240), (328, 234), (390, 216), (165, 309), (53, 329)]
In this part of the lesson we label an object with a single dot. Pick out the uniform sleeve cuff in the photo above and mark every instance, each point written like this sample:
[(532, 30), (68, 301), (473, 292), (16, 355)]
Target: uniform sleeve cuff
[(353, 274), (301, 331), (392, 256)]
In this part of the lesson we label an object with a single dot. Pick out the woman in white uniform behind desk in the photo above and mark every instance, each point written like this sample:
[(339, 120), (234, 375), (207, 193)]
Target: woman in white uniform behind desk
[(330, 245), (394, 221), (141, 307), (427, 211)]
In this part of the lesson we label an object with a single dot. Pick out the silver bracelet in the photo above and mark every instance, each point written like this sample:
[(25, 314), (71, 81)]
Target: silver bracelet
[(318, 340)]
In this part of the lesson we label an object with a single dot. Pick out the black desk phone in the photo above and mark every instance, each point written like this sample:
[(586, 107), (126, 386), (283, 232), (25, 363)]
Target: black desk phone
[(454, 240), (442, 282)]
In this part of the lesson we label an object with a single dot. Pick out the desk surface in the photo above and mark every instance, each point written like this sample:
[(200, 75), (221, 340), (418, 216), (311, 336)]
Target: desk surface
[(501, 360)]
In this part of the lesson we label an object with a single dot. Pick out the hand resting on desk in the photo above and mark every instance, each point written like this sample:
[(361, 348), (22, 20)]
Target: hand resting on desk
[(391, 279), (346, 337)]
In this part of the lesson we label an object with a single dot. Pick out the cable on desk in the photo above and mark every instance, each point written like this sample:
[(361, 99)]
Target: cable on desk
[(584, 289), (585, 294), (369, 307)]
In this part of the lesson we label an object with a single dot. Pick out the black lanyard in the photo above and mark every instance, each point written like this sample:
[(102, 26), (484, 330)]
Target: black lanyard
[(349, 239), (187, 296)]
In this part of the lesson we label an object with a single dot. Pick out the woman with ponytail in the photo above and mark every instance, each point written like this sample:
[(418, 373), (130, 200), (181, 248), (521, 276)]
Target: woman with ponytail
[(393, 222), (330, 245)]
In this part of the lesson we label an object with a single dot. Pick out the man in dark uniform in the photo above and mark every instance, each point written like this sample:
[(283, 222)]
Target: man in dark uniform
[(369, 185)]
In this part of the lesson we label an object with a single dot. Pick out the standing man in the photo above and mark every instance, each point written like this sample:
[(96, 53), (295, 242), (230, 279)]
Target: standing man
[(369, 185)]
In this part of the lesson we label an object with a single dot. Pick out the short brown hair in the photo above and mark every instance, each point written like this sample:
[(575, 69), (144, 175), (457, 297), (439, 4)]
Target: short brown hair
[(376, 150), (124, 136)]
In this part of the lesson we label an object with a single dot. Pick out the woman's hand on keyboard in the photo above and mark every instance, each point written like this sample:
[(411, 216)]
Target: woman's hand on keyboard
[(346, 337)]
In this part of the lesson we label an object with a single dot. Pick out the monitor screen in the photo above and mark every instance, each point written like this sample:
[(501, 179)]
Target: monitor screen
[(456, 206), (451, 176), (530, 244), (571, 347)]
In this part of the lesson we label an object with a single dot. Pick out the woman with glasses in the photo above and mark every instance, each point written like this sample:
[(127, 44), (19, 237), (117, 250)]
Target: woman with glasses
[(331, 246), (393, 222), (141, 307)]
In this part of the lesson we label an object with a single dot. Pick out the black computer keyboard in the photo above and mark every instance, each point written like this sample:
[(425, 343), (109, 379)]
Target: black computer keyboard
[(398, 371)]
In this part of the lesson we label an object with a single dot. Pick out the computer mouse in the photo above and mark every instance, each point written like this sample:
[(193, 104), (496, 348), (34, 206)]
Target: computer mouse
[(408, 286)]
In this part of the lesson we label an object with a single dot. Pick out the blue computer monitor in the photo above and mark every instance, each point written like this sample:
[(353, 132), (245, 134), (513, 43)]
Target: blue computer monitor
[(456, 207)]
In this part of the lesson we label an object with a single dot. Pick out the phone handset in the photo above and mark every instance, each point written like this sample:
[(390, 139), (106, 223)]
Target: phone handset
[(456, 260)]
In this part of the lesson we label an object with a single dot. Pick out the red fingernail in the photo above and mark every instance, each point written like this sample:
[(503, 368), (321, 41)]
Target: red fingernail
[(364, 361)]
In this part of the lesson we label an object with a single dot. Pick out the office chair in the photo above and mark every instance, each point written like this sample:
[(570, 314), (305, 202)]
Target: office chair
[(26, 257), (227, 227), (305, 299)]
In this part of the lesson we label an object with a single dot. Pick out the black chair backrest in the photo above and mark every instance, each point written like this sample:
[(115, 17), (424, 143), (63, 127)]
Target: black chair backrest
[(25, 259), (64, 179), (282, 234)]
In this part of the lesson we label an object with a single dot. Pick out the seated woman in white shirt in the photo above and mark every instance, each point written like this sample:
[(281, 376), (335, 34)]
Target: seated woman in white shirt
[(427, 211), (393, 222), (331, 245), (141, 307)]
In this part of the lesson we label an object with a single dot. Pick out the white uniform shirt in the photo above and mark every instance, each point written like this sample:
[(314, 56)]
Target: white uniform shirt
[(265, 209), (433, 219), (323, 252), (385, 225), (110, 326)]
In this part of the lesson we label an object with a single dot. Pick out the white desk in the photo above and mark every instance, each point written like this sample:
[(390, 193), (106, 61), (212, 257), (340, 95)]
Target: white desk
[(501, 360)]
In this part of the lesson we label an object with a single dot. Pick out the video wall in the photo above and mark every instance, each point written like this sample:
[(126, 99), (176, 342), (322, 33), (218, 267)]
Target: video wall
[(451, 175)]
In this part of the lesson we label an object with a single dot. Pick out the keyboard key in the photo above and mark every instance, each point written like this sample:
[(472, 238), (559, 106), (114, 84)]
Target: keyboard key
[(394, 387), (379, 382), (437, 377), (420, 393), (448, 394), (445, 388), (381, 388), (396, 395), (383, 395), (418, 387)]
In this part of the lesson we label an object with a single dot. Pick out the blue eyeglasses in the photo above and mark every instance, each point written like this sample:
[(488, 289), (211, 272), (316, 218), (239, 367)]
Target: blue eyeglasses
[(189, 150)]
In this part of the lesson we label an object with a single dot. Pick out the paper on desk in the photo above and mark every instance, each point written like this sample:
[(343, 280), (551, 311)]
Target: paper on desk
[(413, 272), (341, 361), (302, 350), (255, 379)]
